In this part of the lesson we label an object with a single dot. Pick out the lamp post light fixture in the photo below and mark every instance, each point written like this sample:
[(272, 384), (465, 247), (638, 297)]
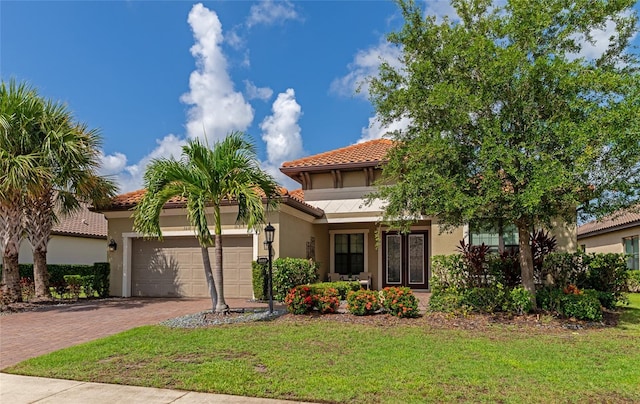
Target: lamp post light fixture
[(269, 232), (112, 245)]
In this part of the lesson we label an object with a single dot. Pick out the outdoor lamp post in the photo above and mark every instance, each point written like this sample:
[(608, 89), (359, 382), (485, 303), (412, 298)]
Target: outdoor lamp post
[(269, 232)]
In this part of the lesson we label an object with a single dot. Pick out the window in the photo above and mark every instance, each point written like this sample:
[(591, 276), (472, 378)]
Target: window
[(349, 253), (583, 248), (631, 249), (494, 239)]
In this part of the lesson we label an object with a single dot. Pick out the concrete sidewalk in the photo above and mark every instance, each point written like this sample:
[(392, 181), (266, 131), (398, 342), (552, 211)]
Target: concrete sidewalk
[(25, 389)]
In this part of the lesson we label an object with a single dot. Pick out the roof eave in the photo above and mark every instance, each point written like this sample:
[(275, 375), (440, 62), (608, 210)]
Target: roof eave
[(610, 229)]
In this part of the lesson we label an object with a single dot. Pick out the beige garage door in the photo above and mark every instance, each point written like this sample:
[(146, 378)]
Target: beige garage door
[(173, 267)]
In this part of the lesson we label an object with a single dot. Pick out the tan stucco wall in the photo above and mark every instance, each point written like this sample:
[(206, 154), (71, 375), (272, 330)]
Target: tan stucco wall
[(609, 242), (68, 250), (445, 242), (353, 179), (321, 181), (566, 236)]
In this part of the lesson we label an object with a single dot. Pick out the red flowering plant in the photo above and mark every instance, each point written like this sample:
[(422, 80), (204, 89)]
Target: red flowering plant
[(363, 302), (299, 300), (328, 301), (399, 302)]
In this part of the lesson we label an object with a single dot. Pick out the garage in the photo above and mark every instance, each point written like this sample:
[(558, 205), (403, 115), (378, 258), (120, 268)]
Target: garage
[(173, 267)]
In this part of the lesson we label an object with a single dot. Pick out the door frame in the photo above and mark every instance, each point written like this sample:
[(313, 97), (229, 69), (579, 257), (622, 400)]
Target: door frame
[(404, 268)]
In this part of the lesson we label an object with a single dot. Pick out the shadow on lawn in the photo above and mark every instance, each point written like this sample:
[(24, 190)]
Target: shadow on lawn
[(629, 318)]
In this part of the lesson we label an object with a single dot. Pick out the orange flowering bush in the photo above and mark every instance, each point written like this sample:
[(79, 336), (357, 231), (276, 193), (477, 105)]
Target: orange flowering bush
[(399, 302), (299, 300), (328, 301), (363, 302), (571, 290)]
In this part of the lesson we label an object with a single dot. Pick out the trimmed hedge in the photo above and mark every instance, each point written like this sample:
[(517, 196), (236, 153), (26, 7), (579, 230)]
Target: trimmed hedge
[(57, 272), (343, 287), (260, 280)]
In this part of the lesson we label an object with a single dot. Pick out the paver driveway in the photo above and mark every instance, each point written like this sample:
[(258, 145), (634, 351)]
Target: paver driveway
[(29, 334)]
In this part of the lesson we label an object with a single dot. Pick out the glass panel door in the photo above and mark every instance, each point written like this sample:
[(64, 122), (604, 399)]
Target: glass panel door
[(394, 258), (416, 259)]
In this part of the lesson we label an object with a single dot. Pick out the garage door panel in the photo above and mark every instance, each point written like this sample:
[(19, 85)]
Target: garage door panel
[(174, 267)]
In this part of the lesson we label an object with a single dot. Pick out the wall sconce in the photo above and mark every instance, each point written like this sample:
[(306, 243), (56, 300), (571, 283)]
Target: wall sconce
[(112, 245)]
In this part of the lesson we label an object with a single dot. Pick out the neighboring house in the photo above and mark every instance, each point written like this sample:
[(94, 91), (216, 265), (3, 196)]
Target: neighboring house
[(617, 233), (326, 220), (80, 238)]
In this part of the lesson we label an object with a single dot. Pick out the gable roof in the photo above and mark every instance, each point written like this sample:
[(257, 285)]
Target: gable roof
[(359, 155), (83, 223), (129, 200), (617, 221)]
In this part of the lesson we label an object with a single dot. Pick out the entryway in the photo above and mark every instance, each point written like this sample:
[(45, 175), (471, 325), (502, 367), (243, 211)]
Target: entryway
[(405, 259)]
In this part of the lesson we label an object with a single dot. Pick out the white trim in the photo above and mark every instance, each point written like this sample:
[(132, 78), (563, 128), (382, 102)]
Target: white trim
[(466, 233), (127, 249), (332, 247)]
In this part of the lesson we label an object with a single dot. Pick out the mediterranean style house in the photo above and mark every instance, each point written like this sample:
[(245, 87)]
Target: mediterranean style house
[(617, 233), (77, 238), (326, 220)]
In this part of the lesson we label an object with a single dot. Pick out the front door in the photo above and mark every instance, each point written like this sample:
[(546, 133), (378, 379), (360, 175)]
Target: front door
[(405, 259)]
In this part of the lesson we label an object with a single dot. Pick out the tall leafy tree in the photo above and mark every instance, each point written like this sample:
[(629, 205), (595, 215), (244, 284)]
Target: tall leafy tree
[(508, 123), (208, 178), (63, 156)]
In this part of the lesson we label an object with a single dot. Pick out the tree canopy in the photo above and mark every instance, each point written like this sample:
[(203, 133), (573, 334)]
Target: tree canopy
[(509, 123)]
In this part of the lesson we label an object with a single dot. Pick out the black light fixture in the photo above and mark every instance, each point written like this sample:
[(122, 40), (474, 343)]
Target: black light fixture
[(112, 245), (269, 232)]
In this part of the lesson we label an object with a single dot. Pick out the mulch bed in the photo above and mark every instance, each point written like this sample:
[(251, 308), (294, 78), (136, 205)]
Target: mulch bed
[(475, 321)]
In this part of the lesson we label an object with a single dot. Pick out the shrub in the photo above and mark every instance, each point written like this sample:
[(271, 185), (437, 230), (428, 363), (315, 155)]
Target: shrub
[(399, 302), (328, 301), (101, 278), (342, 287), (487, 299), (74, 284), (259, 280), (520, 301), (633, 281), (363, 302), (87, 285), (607, 273), (550, 299), (27, 288), (299, 300), (447, 272), (291, 272), (448, 301), (475, 258), (582, 306)]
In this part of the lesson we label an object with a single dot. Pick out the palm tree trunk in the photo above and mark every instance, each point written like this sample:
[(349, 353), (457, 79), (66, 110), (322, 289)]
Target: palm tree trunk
[(221, 306), (207, 273), (10, 236), (39, 217), (41, 274), (526, 259), (11, 290)]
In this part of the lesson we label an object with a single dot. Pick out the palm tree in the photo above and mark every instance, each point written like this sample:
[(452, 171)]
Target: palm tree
[(208, 178), (21, 110), (47, 162), (70, 151)]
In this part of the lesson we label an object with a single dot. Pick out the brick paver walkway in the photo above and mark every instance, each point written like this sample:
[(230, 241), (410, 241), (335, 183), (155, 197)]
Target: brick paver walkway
[(29, 334)]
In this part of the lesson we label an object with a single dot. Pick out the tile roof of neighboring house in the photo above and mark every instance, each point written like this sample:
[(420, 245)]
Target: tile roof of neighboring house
[(83, 223), (616, 221), (131, 199), (366, 154)]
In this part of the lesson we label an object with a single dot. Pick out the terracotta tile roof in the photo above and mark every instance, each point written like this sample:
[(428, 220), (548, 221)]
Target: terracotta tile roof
[(83, 223), (131, 199), (619, 220), (369, 153)]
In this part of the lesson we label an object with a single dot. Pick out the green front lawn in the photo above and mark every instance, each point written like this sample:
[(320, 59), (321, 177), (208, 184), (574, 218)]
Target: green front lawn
[(315, 360)]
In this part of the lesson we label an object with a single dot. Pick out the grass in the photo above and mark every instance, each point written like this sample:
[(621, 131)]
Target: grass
[(349, 363)]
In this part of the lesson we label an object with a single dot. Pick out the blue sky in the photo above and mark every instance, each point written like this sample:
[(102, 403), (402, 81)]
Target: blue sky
[(150, 74)]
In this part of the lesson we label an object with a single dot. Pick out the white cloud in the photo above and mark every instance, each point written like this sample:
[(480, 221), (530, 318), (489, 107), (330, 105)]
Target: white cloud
[(270, 12), (598, 44), (365, 65), (112, 163), (254, 92), (375, 130), (440, 9), (217, 108), (281, 133)]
